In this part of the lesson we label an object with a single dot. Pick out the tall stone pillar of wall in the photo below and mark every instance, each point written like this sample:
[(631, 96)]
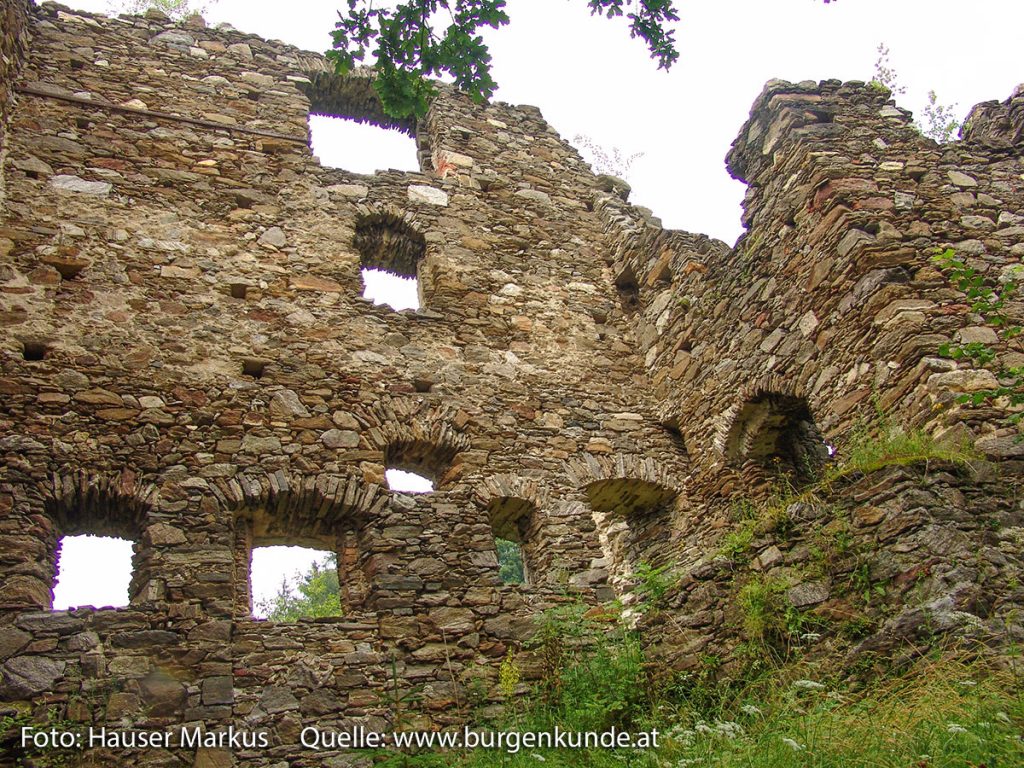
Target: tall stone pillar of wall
[(997, 125), (850, 203), (830, 308), (28, 540), (13, 45)]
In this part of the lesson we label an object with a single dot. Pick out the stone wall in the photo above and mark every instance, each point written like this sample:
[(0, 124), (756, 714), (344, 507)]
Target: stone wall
[(878, 570), (13, 44), (186, 361), (826, 318)]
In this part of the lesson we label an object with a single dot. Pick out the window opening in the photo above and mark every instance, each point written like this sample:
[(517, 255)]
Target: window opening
[(511, 567), (778, 432), (390, 252), (291, 583), (408, 482), (634, 517), (396, 291), (339, 142), (92, 571), (511, 519)]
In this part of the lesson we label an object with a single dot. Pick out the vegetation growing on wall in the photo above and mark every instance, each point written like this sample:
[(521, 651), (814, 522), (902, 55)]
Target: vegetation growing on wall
[(176, 9), (988, 299), (950, 710), (937, 121)]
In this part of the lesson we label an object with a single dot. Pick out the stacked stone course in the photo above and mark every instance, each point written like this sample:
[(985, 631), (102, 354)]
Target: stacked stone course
[(187, 362)]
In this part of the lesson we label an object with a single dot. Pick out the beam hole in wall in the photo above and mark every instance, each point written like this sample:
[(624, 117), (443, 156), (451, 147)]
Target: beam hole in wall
[(92, 570), (34, 350), (403, 481), (629, 291), (390, 252), (253, 366), (294, 582)]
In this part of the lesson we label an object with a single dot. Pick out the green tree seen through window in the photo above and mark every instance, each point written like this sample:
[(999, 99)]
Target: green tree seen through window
[(316, 595)]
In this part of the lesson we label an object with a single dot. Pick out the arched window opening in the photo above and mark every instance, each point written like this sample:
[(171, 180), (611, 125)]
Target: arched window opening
[(778, 433), (92, 571), (418, 465), (294, 582), (349, 128), (634, 519), (297, 550), (390, 252)]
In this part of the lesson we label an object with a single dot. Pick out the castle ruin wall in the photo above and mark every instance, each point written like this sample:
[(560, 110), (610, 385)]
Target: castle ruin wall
[(186, 361)]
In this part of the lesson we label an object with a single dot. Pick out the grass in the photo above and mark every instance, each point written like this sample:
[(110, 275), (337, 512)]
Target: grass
[(897, 446), (949, 711), (866, 452), (762, 605)]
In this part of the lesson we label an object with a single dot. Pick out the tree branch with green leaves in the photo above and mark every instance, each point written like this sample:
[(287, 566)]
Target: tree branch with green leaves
[(419, 40)]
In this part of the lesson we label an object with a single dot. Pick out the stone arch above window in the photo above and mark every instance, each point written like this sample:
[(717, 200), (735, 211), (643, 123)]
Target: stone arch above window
[(625, 483), (108, 505), (387, 240), (351, 96), (323, 512), (421, 457), (313, 504), (776, 431), (627, 496), (416, 436)]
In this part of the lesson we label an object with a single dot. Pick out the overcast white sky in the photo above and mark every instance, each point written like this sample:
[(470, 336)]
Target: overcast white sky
[(589, 78)]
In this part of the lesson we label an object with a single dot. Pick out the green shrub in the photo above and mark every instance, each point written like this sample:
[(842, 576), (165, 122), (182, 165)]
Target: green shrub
[(652, 584), (763, 608)]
